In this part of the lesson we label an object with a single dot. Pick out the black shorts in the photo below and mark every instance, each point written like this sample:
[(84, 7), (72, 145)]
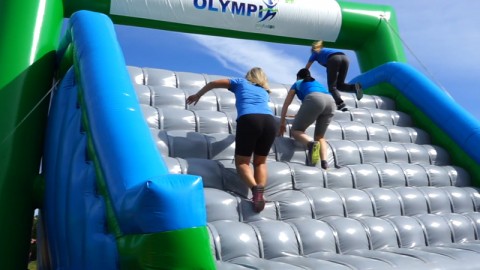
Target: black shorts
[(255, 134)]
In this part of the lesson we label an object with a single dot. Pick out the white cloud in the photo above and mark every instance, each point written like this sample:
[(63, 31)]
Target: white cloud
[(240, 55)]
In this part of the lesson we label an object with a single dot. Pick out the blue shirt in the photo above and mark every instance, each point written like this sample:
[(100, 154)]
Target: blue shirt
[(322, 56), (302, 89), (249, 98)]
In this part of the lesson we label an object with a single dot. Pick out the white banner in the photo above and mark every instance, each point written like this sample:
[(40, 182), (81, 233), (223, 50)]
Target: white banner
[(306, 19)]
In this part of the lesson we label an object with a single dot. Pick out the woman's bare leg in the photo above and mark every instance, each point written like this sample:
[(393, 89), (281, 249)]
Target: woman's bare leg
[(242, 163), (301, 136), (260, 170)]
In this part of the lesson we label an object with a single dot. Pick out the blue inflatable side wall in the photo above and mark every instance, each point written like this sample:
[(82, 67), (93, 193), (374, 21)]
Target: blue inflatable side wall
[(74, 213), (96, 105), (435, 103)]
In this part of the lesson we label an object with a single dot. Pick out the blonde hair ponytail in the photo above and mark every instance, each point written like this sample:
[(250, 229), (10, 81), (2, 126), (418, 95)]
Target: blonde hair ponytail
[(317, 46), (257, 76)]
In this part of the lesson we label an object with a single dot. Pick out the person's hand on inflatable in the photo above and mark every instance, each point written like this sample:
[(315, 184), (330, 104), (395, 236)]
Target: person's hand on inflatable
[(283, 128), (193, 99)]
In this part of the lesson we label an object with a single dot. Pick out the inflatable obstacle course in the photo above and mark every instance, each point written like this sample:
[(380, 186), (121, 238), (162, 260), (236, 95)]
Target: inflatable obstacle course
[(121, 216)]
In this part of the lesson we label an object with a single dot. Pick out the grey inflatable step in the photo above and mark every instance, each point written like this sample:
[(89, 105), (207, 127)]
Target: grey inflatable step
[(389, 200)]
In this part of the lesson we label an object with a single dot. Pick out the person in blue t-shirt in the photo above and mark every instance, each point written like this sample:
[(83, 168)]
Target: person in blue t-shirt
[(255, 132), (317, 106), (336, 64)]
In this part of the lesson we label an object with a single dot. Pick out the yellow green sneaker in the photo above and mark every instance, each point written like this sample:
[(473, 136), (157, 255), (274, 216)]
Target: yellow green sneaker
[(313, 153)]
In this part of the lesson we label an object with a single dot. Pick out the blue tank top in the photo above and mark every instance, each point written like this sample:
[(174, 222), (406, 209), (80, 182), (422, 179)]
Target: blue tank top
[(302, 89), (249, 98), (322, 56)]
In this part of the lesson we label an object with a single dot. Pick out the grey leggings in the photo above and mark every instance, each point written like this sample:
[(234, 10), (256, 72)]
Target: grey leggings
[(316, 107)]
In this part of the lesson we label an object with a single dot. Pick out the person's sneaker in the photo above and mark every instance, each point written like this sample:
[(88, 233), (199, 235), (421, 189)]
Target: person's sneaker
[(324, 164), (313, 153), (258, 199), (342, 107), (358, 91)]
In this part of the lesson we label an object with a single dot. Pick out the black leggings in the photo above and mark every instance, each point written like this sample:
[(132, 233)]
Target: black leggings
[(337, 68), (255, 134)]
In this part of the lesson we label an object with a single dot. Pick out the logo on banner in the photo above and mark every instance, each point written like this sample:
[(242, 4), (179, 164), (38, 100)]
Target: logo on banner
[(270, 10), (265, 13)]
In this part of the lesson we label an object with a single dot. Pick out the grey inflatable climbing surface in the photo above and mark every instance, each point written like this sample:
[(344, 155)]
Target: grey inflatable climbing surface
[(389, 200)]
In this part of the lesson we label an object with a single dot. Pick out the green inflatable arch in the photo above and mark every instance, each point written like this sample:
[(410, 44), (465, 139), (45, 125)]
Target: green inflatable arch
[(30, 33)]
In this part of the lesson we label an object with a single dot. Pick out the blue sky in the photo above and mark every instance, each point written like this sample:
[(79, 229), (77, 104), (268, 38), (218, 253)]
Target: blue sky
[(441, 39)]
